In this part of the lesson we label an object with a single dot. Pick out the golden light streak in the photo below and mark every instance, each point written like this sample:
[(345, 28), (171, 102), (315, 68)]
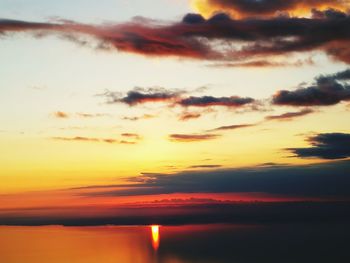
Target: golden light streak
[(208, 8), (155, 236)]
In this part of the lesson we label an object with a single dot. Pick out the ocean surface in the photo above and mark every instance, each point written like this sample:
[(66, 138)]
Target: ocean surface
[(294, 243)]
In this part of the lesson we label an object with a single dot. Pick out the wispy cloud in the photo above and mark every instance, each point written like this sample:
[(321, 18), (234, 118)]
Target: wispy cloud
[(92, 139), (136, 118), (234, 127), (205, 166), (91, 115), (185, 116), (66, 115), (192, 137), (290, 115), (262, 64), (134, 136)]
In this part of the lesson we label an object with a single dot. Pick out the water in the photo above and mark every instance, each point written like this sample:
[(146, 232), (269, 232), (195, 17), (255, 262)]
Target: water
[(176, 244)]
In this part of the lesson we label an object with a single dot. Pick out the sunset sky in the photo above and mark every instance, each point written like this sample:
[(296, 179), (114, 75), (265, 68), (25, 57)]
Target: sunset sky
[(120, 104)]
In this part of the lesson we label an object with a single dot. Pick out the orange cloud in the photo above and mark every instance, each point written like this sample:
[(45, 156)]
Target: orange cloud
[(61, 115), (265, 8)]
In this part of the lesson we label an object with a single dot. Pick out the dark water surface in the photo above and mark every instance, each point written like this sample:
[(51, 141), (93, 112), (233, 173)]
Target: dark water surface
[(297, 243)]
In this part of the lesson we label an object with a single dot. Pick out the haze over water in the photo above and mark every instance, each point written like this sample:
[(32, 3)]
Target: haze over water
[(177, 244)]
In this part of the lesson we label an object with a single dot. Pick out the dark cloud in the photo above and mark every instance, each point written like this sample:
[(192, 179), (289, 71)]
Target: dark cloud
[(327, 90), (233, 127), (325, 180), (142, 95), (217, 38), (210, 212), (326, 146), (192, 137), (9, 25), (206, 101), (267, 8), (329, 13), (173, 97), (289, 115)]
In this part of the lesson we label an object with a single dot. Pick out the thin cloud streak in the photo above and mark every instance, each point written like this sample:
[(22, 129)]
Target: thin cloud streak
[(234, 127), (92, 139), (290, 115), (192, 137)]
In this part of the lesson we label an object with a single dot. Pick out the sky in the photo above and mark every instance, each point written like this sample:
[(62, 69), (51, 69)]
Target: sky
[(119, 104)]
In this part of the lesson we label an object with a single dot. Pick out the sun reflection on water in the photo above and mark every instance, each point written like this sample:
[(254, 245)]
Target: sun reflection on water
[(155, 236)]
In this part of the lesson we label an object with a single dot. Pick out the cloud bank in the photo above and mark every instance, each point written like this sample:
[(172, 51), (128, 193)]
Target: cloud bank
[(325, 146), (219, 37), (332, 181)]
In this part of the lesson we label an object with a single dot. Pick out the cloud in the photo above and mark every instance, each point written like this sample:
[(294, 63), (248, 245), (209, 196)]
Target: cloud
[(206, 101), (131, 135), (91, 139), (332, 181), (272, 164), (262, 64), (136, 118), (325, 146), (198, 212), (233, 127), (173, 97), (142, 95), (185, 116), (265, 8), (289, 115), (205, 166), (91, 115), (327, 90), (77, 138), (65, 115), (192, 137), (127, 142), (216, 38), (61, 115)]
